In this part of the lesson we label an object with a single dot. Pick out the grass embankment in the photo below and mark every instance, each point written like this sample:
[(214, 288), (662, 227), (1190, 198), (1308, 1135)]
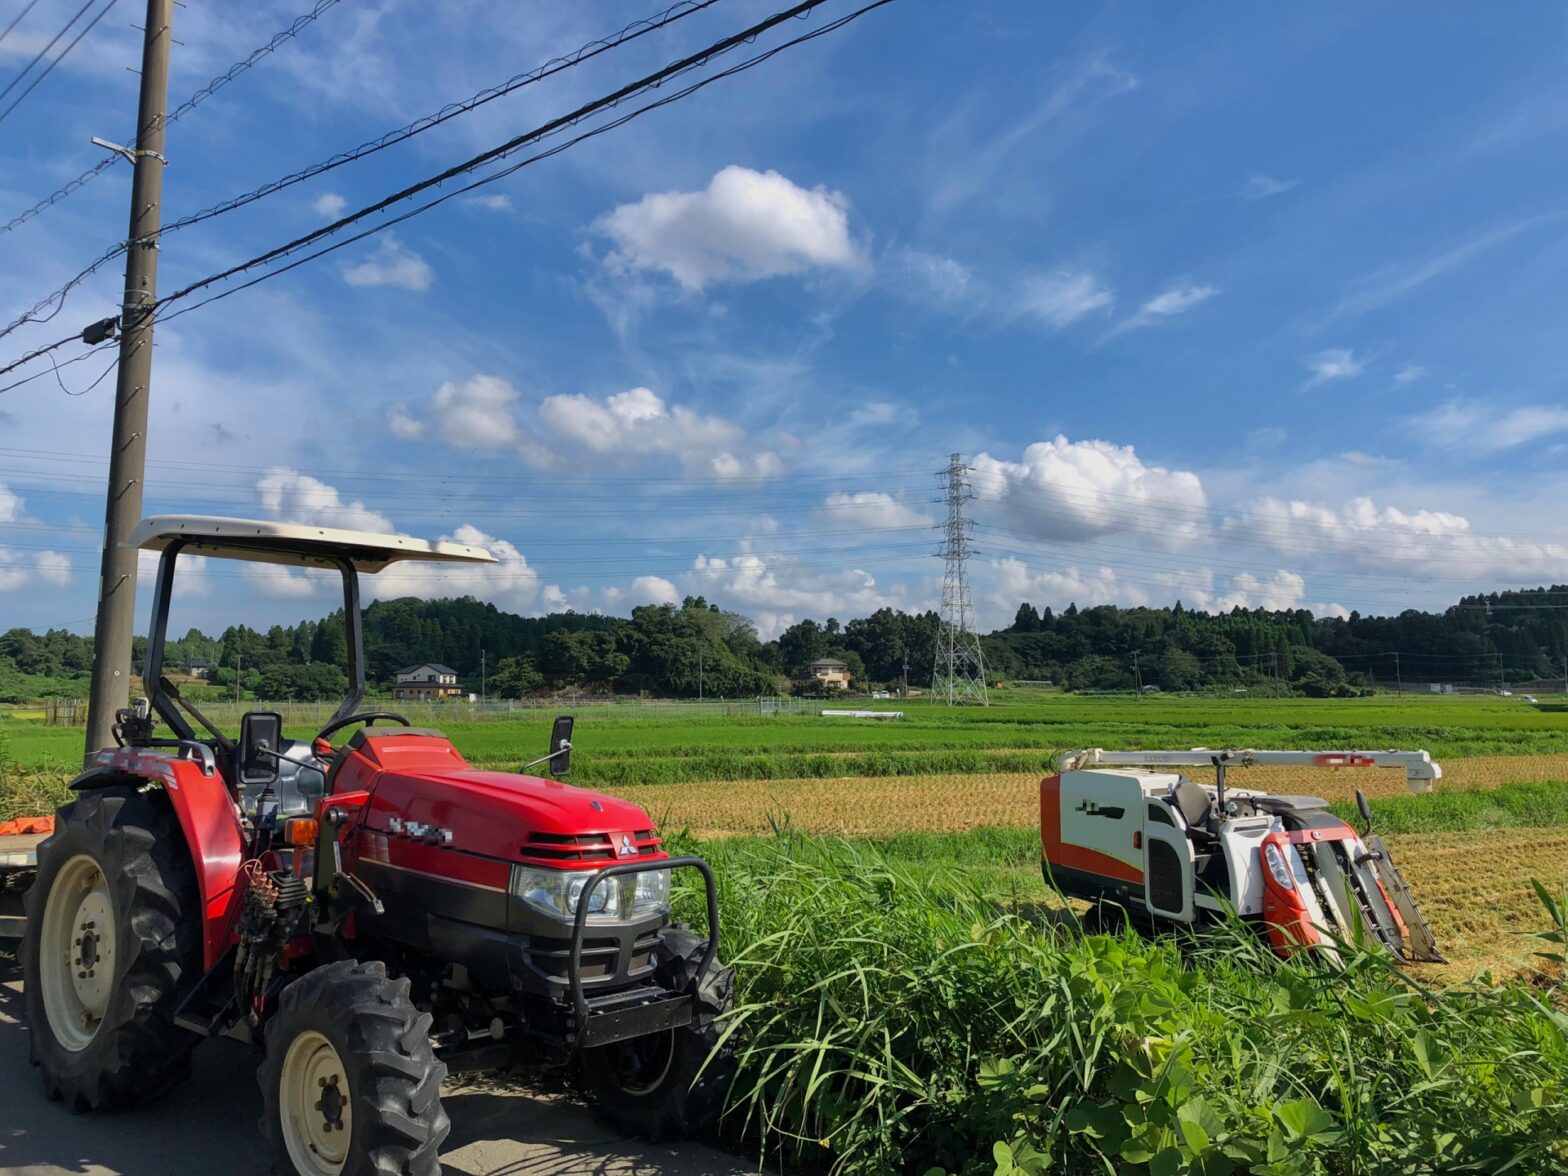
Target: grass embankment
[(892, 1017)]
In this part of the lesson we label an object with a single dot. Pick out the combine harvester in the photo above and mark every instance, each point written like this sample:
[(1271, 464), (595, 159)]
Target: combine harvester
[(1128, 829)]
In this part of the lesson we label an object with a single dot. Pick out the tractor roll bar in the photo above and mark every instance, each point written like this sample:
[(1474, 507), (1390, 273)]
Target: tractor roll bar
[(1419, 767), (574, 971)]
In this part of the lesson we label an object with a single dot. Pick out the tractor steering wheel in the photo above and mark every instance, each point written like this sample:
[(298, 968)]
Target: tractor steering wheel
[(362, 717)]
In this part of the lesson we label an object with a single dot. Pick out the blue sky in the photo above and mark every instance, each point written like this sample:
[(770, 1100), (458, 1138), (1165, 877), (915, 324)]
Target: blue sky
[(1231, 304)]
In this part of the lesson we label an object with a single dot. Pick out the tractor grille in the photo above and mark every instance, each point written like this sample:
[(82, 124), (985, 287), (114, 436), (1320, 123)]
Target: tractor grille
[(554, 848), (600, 956)]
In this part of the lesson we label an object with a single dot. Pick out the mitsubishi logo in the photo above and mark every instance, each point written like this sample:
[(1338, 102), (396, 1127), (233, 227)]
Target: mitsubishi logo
[(627, 848)]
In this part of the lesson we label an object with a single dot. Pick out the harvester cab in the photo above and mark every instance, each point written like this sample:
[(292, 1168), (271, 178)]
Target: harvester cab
[(1130, 829), (367, 907)]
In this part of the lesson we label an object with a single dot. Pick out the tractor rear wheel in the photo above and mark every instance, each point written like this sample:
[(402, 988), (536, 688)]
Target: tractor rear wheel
[(351, 1085), (113, 940)]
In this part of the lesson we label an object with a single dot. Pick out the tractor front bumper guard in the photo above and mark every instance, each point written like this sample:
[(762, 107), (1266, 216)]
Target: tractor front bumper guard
[(618, 1016)]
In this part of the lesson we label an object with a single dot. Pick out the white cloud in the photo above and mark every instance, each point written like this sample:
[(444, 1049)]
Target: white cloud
[(773, 591), (192, 574), (276, 582), (652, 590), (28, 569), (877, 412), (294, 497), (403, 424), (868, 509), (1260, 187), (1062, 297), (394, 264), (744, 226), (1324, 609), (1410, 373), (1360, 534), (496, 202), (1013, 582), (1282, 590), (1479, 425), (929, 277), (638, 422), (330, 205), (478, 413), (1337, 363), (510, 581), (11, 505), (1177, 300), (1080, 490)]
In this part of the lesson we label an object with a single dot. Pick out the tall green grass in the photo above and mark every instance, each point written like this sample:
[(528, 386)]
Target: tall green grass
[(892, 1018)]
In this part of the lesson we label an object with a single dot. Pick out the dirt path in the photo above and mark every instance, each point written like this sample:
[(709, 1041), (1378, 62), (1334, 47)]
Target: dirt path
[(209, 1125)]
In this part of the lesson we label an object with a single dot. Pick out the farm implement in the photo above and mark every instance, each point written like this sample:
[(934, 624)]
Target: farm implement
[(369, 913), (1128, 829)]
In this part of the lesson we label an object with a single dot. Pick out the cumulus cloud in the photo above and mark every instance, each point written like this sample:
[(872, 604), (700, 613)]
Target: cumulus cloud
[(330, 205), (1478, 424), (638, 422), (478, 413), (404, 424), (192, 574), (774, 592), (26, 569), (394, 264), (11, 505), (1061, 297), (1260, 187), (1362, 534), (745, 226), (642, 590), (1337, 363), (1082, 490), (1013, 581), (510, 581), (868, 509), (294, 497)]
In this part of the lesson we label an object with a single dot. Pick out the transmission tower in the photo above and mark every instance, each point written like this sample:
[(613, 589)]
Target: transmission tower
[(959, 676)]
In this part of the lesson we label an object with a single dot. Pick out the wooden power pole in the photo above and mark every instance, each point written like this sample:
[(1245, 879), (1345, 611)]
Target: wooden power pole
[(128, 449)]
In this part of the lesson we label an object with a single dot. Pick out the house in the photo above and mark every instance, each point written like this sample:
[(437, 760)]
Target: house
[(830, 673), (429, 682), (199, 668)]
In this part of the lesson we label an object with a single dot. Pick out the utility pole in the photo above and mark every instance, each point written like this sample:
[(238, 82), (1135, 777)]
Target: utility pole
[(128, 448), (1137, 677), (699, 675), (239, 660), (481, 677), (1399, 679)]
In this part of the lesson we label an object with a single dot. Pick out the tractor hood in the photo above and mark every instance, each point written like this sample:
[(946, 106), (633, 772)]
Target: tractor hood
[(425, 790)]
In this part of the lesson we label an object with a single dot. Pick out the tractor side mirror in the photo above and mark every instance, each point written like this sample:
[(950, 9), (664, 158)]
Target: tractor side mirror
[(561, 746), (261, 734), (1364, 808)]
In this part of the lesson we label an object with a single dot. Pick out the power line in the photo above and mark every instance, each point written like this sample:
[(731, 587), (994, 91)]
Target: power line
[(44, 52), (17, 19), (102, 12), (549, 69), (196, 99), (493, 154)]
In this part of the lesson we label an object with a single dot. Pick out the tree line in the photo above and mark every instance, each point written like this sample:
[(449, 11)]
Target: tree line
[(698, 648)]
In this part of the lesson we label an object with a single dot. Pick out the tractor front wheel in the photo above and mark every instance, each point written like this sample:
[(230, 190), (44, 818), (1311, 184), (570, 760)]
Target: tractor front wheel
[(350, 1084), (666, 1085), (113, 940)]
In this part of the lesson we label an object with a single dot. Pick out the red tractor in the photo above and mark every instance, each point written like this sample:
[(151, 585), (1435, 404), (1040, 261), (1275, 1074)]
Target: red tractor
[(368, 912)]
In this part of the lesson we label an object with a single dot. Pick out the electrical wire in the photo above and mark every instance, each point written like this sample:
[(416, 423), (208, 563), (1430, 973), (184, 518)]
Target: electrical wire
[(17, 19), (185, 107), (44, 52), (555, 65), (500, 151), (102, 12)]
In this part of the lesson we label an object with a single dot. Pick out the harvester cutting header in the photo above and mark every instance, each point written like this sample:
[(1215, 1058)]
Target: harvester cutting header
[(1130, 829)]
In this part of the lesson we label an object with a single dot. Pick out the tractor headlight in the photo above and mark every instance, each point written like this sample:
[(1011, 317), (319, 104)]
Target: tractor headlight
[(1276, 864), (625, 896), (557, 892)]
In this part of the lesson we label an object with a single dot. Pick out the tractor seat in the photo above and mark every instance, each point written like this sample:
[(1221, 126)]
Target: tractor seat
[(1288, 804), (1194, 804), (297, 788)]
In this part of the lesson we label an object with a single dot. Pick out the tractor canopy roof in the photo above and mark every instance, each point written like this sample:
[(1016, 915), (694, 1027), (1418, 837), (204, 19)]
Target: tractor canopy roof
[(294, 543)]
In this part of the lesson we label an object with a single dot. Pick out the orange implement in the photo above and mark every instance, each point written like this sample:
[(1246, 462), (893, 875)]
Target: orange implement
[(26, 826)]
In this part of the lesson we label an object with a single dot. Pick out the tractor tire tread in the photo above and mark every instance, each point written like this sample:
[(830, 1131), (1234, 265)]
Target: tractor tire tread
[(394, 1077), (140, 1053)]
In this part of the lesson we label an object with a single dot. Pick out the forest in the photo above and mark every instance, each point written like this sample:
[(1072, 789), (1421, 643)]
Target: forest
[(696, 648)]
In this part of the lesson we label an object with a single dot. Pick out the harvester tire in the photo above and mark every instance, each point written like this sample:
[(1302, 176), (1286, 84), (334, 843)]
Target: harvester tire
[(113, 942), (673, 1084), (350, 1085)]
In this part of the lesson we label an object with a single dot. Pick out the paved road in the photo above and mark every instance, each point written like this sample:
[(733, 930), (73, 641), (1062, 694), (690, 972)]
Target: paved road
[(208, 1125)]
